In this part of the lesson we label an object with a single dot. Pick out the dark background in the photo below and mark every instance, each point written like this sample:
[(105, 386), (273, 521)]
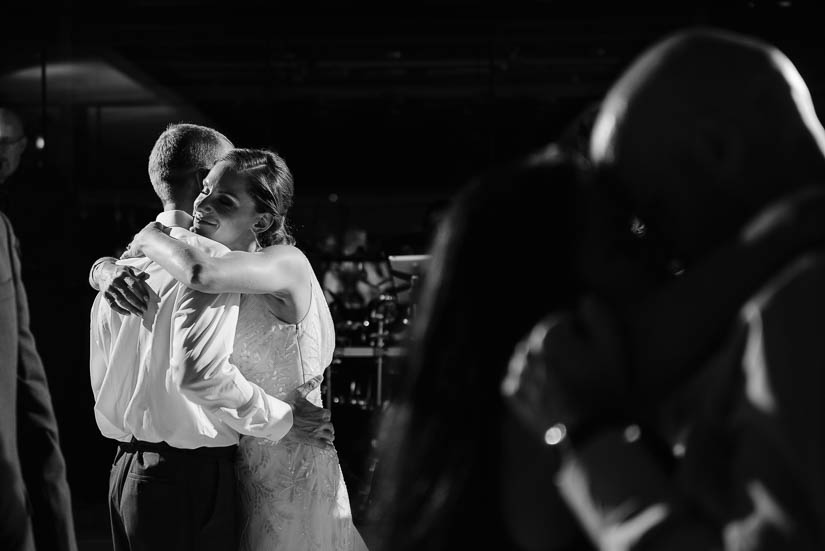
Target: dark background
[(381, 114)]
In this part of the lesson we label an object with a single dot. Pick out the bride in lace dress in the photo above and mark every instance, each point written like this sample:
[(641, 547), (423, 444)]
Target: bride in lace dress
[(293, 495)]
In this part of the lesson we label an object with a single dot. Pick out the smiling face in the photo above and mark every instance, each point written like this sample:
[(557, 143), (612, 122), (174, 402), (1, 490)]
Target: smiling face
[(226, 212)]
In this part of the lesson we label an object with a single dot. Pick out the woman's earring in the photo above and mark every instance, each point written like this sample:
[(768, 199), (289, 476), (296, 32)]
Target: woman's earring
[(257, 241)]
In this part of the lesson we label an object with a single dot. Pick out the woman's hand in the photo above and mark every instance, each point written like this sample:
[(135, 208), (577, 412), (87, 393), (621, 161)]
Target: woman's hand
[(568, 372), (135, 248)]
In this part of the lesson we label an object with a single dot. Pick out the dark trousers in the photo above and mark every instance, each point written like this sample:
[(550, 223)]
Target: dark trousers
[(164, 498)]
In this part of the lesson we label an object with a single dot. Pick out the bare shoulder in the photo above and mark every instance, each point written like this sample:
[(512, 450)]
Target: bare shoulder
[(288, 259), (287, 253)]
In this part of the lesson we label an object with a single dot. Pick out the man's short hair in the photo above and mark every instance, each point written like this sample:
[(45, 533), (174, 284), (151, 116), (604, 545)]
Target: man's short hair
[(181, 150)]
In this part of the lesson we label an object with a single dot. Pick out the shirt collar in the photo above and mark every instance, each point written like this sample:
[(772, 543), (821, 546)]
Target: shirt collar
[(175, 219)]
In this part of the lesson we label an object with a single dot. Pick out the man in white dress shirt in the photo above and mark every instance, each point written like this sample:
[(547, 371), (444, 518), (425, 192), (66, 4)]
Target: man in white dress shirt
[(164, 387)]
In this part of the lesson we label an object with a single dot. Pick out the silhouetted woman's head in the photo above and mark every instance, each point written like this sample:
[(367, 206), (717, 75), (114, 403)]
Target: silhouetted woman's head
[(503, 257)]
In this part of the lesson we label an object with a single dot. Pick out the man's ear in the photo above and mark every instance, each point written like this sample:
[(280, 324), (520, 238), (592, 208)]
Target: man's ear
[(24, 141), (196, 182), (264, 222), (195, 188), (719, 149)]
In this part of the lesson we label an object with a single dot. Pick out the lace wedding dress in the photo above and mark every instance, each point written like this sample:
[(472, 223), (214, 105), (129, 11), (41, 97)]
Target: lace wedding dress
[(293, 495)]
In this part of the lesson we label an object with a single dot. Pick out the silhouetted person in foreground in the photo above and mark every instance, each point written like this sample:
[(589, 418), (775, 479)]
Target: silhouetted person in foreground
[(455, 466), (705, 131)]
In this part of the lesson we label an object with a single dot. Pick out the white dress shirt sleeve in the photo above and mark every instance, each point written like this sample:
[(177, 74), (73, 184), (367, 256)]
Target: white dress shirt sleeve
[(203, 333), (108, 408)]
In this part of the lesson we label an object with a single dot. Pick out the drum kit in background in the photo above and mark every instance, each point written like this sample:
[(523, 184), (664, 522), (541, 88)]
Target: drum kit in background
[(372, 301), (373, 306)]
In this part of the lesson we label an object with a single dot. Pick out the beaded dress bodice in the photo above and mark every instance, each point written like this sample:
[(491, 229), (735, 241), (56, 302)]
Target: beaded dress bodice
[(292, 494), (278, 356)]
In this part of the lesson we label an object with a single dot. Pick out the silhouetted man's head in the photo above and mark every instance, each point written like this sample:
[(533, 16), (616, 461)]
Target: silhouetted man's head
[(703, 130)]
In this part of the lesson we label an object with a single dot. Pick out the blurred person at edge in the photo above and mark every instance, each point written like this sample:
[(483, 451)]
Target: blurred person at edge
[(724, 362), (35, 504), (13, 143), (24, 183)]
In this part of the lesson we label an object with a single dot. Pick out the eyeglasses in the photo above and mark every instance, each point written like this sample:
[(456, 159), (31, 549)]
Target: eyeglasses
[(8, 142)]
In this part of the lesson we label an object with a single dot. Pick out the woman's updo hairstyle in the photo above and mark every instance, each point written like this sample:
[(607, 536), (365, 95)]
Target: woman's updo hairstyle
[(271, 187)]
